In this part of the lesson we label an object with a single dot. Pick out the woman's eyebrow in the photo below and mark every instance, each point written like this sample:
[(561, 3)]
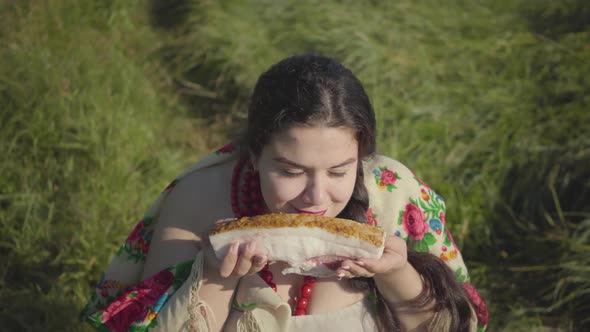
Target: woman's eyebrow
[(296, 165)]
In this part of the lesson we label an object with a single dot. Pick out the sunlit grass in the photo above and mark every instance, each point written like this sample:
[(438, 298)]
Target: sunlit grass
[(86, 142)]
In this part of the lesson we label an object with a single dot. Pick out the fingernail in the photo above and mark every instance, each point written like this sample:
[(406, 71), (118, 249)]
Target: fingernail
[(340, 275), (258, 260), (225, 221), (360, 263), (346, 267)]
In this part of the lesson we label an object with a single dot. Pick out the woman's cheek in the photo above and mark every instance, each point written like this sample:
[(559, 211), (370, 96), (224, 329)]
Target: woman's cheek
[(344, 190), (281, 190), (287, 190)]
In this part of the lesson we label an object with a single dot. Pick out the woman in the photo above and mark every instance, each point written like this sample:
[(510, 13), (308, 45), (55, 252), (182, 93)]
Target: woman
[(309, 147)]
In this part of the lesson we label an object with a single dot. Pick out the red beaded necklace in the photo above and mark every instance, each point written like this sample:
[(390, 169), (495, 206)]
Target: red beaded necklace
[(252, 204)]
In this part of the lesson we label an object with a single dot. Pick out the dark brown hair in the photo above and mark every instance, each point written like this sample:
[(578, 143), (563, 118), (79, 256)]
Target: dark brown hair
[(312, 90)]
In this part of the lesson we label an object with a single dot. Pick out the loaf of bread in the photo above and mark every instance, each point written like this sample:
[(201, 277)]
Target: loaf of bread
[(311, 244)]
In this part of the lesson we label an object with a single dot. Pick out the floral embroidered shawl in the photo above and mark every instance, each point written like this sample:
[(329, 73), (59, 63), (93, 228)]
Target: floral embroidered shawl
[(400, 203)]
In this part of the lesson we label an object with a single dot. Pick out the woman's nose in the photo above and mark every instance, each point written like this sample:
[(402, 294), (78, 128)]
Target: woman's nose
[(315, 192)]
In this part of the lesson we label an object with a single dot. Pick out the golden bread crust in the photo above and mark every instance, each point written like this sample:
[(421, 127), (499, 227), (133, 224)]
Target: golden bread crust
[(344, 227)]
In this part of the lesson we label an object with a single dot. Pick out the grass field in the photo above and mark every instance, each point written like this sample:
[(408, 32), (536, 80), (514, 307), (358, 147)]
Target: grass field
[(103, 102)]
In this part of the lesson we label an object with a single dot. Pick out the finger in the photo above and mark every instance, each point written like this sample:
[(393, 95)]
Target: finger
[(258, 263), (229, 261), (358, 271), (245, 260), (351, 270), (371, 265), (224, 221)]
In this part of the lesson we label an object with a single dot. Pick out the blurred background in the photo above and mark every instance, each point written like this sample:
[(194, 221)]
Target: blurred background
[(102, 103)]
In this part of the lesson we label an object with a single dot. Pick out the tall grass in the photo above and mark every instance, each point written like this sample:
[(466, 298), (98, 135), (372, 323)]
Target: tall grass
[(85, 145)]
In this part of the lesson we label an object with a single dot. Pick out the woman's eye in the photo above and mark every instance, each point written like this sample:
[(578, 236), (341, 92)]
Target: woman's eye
[(337, 174), (291, 173)]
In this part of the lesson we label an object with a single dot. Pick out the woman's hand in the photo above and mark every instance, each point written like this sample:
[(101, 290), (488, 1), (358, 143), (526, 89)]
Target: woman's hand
[(395, 257), (241, 260)]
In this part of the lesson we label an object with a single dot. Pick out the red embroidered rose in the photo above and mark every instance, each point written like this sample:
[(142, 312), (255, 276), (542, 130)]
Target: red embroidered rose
[(413, 221), (478, 304), (160, 281), (371, 218), (136, 231), (388, 177), (227, 148), (122, 312), (132, 305), (442, 217)]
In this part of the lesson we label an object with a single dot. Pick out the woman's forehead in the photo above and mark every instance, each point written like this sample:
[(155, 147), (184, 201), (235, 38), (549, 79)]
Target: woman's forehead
[(313, 145)]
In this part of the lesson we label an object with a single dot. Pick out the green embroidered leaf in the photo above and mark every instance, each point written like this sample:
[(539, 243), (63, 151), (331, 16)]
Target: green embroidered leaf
[(147, 220), (429, 239), (136, 328), (248, 305), (183, 269), (181, 273), (460, 276), (120, 251), (153, 323), (389, 188), (422, 205), (399, 220), (96, 322), (103, 328)]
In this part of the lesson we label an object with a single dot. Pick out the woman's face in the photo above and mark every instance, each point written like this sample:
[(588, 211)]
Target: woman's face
[(308, 170)]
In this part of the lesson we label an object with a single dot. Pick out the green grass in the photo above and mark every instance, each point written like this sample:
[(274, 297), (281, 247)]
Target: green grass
[(86, 143), (485, 100)]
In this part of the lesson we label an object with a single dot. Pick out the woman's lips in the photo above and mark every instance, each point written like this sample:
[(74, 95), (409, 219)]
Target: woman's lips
[(317, 213)]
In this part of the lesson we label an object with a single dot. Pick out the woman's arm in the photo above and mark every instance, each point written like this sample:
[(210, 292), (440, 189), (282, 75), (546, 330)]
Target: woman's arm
[(181, 233), (397, 280), (401, 285)]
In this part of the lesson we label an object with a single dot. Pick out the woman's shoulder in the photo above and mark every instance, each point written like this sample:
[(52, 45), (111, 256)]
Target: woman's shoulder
[(200, 195), (186, 211)]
